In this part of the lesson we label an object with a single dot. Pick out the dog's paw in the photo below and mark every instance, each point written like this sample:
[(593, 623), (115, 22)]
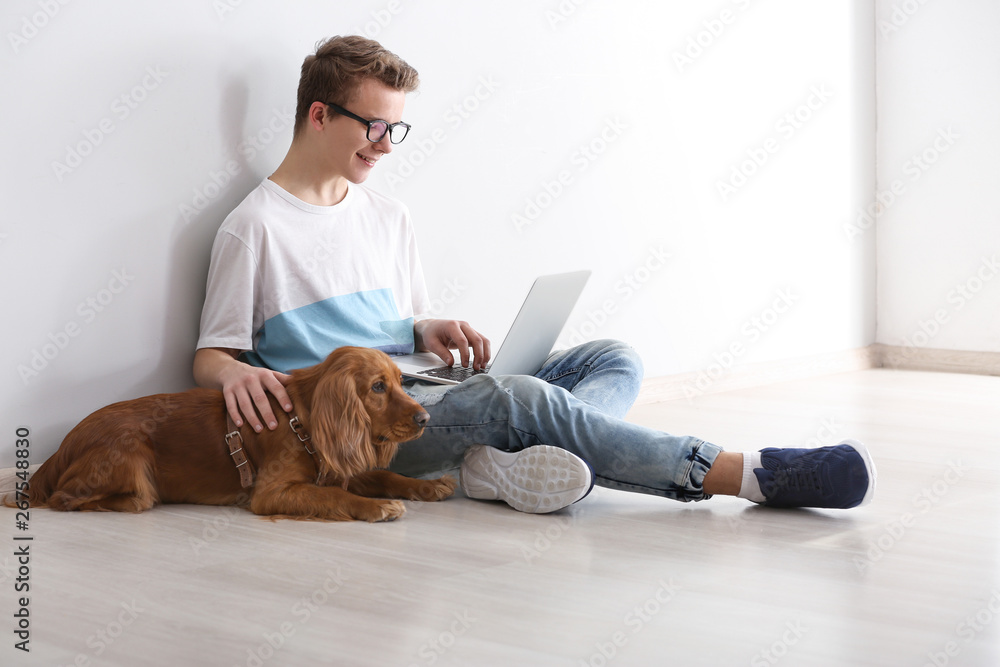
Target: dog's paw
[(388, 510), (436, 489)]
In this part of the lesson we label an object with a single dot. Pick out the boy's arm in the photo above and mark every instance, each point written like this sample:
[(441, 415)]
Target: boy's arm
[(441, 336), (245, 387)]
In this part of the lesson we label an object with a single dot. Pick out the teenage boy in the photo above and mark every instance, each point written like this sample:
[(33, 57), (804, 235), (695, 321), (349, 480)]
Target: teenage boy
[(312, 260)]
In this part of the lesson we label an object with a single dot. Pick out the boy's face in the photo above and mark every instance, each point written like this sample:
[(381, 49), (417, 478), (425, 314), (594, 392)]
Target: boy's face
[(344, 140)]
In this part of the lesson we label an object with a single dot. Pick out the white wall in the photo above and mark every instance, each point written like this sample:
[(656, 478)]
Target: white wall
[(938, 142), (610, 128)]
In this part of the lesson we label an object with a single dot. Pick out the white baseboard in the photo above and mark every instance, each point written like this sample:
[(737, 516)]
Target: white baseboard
[(929, 359), (877, 355), (716, 379)]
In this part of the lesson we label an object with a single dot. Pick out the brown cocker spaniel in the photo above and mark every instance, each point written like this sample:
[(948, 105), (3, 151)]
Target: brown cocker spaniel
[(325, 461)]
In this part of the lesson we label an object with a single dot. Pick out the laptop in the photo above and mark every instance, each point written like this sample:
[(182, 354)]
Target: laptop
[(528, 343)]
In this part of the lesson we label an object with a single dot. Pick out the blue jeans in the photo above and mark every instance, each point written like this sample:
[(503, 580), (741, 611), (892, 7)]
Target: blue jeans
[(577, 401)]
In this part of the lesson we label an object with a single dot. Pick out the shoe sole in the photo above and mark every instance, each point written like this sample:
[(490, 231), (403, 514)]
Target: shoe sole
[(866, 456), (536, 480)]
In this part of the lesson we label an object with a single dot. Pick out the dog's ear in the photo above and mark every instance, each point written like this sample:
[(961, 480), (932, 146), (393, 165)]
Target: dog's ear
[(340, 426)]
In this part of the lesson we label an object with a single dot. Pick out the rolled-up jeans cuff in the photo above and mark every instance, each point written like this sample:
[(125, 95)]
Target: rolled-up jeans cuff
[(692, 481)]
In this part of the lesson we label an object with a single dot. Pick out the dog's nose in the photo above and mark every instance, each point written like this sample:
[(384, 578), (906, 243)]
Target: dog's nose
[(421, 418)]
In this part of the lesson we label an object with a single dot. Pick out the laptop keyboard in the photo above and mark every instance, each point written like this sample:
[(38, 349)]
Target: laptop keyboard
[(456, 373)]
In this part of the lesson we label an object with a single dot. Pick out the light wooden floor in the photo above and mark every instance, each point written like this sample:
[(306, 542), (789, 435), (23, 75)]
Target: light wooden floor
[(618, 579)]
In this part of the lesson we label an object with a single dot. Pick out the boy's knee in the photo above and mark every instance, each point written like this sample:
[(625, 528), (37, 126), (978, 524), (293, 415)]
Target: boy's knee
[(620, 354), (527, 391), (520, 385)]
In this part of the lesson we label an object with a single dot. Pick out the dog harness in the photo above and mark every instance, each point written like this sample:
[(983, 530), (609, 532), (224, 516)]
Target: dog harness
[(234, 441)]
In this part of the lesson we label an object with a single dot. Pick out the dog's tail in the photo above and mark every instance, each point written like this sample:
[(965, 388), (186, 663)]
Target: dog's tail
[(9, 481), (39, 486)]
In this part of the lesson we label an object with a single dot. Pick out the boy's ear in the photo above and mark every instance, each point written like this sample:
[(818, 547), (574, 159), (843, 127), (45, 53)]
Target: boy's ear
[(317, 115)]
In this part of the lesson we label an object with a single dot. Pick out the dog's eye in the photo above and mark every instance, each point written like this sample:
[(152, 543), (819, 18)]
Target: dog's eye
[(379, 387)]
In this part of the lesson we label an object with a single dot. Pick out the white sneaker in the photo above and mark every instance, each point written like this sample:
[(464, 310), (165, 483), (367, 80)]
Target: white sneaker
[(537, 480)]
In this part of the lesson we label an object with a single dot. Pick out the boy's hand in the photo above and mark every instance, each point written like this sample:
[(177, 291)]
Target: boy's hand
[(442, 336), (245, 387)]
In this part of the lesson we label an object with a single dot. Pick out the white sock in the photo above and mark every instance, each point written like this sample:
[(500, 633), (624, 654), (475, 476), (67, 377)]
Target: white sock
[(750, 488)]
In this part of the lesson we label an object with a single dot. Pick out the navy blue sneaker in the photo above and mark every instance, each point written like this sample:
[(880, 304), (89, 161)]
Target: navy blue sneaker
[(537, 480), (836, 477)]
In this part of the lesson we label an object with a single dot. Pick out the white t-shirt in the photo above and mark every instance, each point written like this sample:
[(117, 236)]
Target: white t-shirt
[(290, 282)]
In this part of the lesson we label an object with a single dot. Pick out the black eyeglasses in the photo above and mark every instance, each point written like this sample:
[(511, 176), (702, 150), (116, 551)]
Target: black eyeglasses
[(376, 128)]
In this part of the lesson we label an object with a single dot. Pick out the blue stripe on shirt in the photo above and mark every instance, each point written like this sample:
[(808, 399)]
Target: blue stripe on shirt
[(305, 336)]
